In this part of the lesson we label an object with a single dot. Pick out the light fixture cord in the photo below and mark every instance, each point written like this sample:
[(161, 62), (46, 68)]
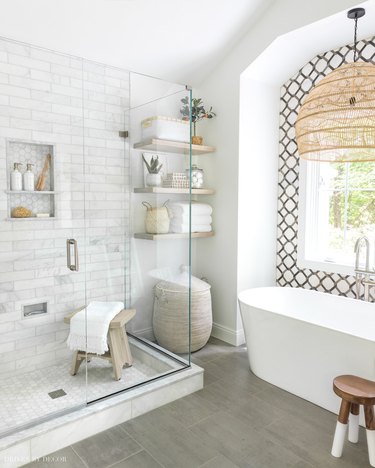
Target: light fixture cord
[(355, 40)]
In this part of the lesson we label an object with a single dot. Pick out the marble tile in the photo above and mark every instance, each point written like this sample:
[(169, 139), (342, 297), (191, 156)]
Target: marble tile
[(22, 404), (165, 395), (79, 430), (15, 456)]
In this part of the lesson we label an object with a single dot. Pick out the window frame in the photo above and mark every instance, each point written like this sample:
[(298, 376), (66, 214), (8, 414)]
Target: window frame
[(309, 183)]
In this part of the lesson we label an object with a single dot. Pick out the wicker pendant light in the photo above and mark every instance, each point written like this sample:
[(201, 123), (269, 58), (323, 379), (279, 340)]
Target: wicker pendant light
[(336, 121)]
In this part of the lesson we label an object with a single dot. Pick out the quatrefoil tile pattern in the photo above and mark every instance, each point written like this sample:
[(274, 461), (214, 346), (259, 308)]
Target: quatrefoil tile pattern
[(292, 94)]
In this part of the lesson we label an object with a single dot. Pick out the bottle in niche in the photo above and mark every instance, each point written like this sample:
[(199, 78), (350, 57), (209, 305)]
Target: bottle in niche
[(16, 177), (29, 178)]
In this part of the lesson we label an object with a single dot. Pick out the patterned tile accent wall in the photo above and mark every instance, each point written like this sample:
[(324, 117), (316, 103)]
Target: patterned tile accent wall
[(292, 94)]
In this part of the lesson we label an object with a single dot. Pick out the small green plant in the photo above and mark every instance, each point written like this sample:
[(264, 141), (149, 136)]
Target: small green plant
[(198, 112), (153, 166)]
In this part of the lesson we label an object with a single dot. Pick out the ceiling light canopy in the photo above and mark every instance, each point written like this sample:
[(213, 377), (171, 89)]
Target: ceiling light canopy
[(336, 121)]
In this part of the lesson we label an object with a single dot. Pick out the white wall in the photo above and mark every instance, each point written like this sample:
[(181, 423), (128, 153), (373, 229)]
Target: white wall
[(217, 257), (152, 261)]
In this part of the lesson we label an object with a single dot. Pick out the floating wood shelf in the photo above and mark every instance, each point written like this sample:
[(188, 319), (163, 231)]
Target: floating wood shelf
[(169, 146), (180, 191), (172, 235)]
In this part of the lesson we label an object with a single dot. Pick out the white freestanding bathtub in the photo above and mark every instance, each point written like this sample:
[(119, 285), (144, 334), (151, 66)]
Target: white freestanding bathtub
[(299, 340)]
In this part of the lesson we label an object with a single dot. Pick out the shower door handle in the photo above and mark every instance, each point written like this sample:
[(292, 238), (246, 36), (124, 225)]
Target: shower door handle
[(72, 266)]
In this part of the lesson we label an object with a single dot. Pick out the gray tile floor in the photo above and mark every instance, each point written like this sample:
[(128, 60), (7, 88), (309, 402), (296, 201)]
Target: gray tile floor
[(237, 420)]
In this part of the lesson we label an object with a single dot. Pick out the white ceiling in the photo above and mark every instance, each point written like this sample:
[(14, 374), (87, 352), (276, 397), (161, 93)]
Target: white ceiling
[(296, 47), (178, 40)]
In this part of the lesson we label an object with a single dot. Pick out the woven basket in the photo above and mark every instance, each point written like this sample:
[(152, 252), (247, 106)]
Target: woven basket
[(157, 219), (171, 317)]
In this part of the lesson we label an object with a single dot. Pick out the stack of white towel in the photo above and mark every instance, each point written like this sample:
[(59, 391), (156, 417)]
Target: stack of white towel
[(201, 218)]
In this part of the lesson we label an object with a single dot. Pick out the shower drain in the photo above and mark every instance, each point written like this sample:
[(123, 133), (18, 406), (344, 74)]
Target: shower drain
[(57, 393)]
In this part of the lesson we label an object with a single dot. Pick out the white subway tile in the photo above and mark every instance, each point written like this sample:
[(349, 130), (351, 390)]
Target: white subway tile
[(28, 124), (66, 110), (51, 117), (51, 57), (7, 111), (34, 283), (66, 71), (28, 62), (15, 69), (6, 347), (17, 91), (29, 83), (11, 356), (35, 341), (52, 327), (30, 104), (17, 335), (34, 360), (41, 75), (16, 275)]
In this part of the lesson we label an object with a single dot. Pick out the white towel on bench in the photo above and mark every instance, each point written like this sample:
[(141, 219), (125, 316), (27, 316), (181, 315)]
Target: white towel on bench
[(99, 316)]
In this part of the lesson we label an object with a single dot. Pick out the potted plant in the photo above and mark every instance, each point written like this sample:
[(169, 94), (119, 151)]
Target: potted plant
[(198, 112), (153, 178)]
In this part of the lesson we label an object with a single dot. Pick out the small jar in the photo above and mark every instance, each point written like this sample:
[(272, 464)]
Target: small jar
[(197, 177)]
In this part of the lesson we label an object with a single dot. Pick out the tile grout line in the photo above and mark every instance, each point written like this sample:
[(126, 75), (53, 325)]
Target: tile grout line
[(78, 455), (126, 458), (143, 448)]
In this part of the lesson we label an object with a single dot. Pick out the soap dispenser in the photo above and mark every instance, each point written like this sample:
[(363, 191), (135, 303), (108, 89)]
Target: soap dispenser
[(28, 178), (16, 177)]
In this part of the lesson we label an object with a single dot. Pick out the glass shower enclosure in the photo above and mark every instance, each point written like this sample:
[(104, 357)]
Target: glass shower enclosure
[(79, 240)]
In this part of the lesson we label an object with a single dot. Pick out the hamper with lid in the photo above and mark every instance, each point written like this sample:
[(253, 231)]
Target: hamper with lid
[(171, 314)]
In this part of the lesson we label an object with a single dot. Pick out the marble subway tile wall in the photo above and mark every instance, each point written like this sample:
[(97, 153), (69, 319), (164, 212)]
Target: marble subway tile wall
[(76, 108)]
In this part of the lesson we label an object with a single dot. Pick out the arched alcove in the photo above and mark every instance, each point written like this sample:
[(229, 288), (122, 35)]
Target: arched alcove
[(259, 151)]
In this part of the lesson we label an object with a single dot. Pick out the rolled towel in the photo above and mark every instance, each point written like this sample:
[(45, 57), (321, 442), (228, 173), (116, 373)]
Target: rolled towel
[(182, 208), (184, 228), (99, 316), (195, 219)]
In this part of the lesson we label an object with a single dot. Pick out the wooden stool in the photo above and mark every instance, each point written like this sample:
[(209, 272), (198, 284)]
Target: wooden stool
[(119, 351), (354, 391)]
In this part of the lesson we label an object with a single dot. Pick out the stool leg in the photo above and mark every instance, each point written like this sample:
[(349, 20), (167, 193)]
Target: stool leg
[(340, 432), (115, 350), (353, 423), (127, 355), (76, 362), (370, 433)]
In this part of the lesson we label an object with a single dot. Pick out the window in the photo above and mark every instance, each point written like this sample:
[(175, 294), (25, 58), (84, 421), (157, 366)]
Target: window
[(336, 206)]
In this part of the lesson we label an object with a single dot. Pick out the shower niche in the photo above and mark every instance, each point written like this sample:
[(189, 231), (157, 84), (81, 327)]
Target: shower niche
[(31, 204)]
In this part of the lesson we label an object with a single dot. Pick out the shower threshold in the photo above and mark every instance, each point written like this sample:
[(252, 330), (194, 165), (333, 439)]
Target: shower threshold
[(110, 402)]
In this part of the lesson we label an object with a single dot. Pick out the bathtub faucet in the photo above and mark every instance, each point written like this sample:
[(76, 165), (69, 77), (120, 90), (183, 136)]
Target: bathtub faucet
[(363, 274)]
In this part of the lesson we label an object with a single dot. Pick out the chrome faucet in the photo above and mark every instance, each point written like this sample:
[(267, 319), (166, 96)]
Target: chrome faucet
[(363, 274)]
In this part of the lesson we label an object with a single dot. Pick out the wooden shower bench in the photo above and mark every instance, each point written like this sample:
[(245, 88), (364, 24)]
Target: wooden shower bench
[(119, 351)]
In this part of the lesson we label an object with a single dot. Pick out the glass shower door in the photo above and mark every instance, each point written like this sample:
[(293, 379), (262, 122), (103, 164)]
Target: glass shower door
[(39, 283)]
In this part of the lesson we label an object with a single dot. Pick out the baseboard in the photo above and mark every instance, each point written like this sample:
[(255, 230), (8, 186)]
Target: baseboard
[(233, 337)]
